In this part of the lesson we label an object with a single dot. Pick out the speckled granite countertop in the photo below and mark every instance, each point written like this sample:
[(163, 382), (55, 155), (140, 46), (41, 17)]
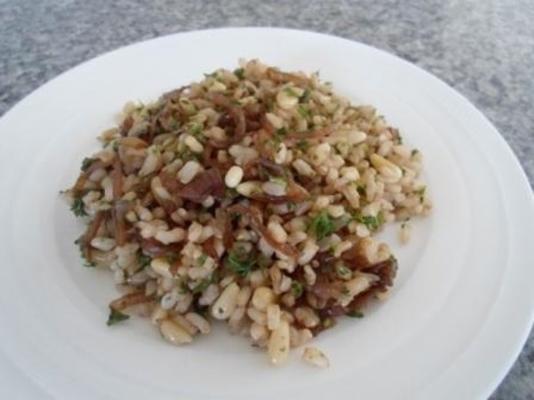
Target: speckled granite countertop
[(483, 48)]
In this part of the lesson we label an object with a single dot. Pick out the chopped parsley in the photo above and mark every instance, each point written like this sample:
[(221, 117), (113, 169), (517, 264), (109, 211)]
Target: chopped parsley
[(195, 129), (291, 206), (172, 258), (202, 259), (361, 190), (240, 261), (116, 317), (86, 163), (342, 271), (371, 222), (279, 180), (182, 288), (174, 124), (304, 111), (240, 73), (328, 322), (230, 193), (322, 225), (297, 289), (81, 246), (144, 260), (355, 314), (78, 208), (281, 131), (203, 285), (305, 96), (421, 193), (279, 135), (290, 92), (187, 155), (303, 145)]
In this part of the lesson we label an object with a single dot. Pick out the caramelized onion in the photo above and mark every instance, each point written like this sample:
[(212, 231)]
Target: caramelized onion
[(236, 113), (118, 212), (117, 179), (84, 176), (128, 300), (207, 183), (90, 233)]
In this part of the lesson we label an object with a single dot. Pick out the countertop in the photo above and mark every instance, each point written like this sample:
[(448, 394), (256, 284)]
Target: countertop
[(483, 48)]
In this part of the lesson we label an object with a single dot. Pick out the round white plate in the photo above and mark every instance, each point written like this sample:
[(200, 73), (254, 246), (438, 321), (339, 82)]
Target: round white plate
[(458, 315)]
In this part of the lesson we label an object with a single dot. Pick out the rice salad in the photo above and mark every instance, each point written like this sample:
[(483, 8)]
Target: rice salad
[(250, 197)]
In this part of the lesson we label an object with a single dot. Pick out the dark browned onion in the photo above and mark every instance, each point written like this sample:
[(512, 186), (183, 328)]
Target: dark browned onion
[(90, 233), (207, 183), (128, 300), (118, 212)]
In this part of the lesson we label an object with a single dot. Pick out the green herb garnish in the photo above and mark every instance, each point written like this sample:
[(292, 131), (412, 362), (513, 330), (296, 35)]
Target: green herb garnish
[(116, 317), (81, 246), (279, 135), (203, 285), (322, 225), (355, 314), (182, 288), (144, 260), (328, 322), (305, 96), (230, 193), (240, 73), (279, 180), (370, 221), (297, 289), (290, 92), (78, 208), (202, 259), (239, 261), (86, 163), (303, 145), (421, 193), (342, 271), (304, 111), (195, 129), (361, 190)]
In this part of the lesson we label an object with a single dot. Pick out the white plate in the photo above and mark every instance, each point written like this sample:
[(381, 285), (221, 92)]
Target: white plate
[(456, 320)]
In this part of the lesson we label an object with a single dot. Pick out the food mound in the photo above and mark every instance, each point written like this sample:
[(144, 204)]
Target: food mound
[(251, 197)]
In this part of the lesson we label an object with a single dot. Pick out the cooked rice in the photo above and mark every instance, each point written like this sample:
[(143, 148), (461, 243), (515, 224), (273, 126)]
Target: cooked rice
[(251, 197)]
